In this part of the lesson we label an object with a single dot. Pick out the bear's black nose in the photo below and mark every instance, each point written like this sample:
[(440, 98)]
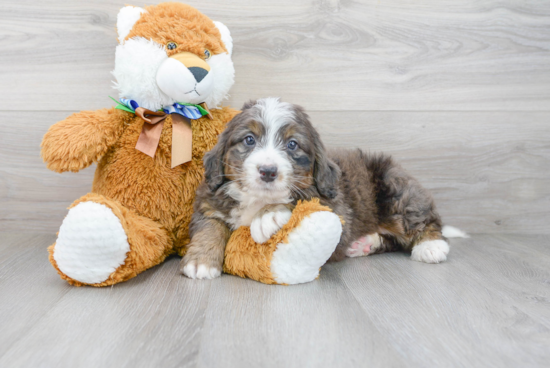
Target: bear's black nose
[(268, 173), (198, 73)]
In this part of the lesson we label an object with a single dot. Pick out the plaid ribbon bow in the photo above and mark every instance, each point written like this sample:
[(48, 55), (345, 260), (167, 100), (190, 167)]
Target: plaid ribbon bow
[(188, 110), (182, 139)]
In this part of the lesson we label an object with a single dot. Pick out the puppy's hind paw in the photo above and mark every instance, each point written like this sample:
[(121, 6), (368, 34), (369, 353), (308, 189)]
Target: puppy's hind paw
[(364, 246)]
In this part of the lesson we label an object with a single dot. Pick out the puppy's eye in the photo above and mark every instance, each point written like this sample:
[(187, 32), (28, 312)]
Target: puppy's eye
[(207, 54), (292, 145), (171, 45), (249, 140)]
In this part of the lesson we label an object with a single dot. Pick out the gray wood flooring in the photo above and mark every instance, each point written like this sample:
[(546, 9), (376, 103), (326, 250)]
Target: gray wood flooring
[(488, 306)]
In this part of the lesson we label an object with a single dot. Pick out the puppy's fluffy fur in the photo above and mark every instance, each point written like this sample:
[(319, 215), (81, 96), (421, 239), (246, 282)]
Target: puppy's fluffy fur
[(383, 207)]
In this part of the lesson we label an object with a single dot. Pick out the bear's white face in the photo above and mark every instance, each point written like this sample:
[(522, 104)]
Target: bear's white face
[(145, 73)]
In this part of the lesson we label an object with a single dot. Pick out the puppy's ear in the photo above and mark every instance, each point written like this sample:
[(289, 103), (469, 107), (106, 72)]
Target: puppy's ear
[(213, 164), (248, 104), (326, 173)]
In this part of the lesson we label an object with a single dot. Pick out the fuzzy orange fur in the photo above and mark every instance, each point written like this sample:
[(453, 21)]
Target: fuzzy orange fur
[(130, 179), (168, 22), (125, 174), (246, 258), (80, 140), (152, 200)]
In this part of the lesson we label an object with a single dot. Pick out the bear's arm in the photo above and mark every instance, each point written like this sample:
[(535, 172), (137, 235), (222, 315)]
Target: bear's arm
[(83, 138)]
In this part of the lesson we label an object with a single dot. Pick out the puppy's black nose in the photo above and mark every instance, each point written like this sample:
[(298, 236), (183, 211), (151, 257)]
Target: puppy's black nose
[(198, 73), (268, 173)]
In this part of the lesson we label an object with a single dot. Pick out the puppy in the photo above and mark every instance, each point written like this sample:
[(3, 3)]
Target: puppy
[(270, 156)]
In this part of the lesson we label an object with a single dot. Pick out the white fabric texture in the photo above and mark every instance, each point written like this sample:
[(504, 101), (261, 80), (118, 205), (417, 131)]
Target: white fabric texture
[(226, 36), (223, 75), (141, 64), (136, 64), (91, 243), (176, 80), (309, 246), (125, 20)]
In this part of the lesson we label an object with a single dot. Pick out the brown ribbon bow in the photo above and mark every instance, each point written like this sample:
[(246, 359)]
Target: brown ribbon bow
[(182, 136)]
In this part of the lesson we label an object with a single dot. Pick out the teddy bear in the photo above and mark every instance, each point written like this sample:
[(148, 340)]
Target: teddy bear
[(173, 69)]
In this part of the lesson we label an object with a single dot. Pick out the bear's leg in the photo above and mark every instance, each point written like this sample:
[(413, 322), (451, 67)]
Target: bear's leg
[(307, 248), (101, 243), (293, 255)]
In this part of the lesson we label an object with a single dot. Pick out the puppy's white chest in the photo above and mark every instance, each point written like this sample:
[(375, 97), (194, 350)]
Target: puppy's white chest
[(246, 211), (250, 204), (243, 216)]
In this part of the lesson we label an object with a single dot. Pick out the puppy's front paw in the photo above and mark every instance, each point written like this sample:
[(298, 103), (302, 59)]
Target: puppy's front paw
[(268, 222), (196, 270)]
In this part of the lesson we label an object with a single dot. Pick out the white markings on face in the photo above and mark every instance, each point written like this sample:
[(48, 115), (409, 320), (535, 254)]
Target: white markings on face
[(270, 150), (252, 192)]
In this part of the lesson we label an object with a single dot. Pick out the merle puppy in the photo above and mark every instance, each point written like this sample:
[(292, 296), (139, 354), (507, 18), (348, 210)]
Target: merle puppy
[(270, 156)]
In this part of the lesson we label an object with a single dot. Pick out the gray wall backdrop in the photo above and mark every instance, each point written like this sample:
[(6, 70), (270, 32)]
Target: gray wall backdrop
[(458, 91)]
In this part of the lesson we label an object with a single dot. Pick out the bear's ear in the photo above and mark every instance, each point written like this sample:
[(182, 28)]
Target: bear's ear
[(226, 36), (125, 20)]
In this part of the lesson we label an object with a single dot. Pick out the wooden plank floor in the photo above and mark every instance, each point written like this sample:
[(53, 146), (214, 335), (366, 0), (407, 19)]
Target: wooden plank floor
[(488, 306)]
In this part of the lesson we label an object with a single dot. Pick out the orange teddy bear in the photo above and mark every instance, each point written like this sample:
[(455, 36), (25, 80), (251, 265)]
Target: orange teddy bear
[(173, 69)]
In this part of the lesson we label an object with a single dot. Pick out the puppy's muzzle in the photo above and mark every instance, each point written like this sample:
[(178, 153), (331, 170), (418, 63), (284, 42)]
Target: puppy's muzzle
[(268, 173)]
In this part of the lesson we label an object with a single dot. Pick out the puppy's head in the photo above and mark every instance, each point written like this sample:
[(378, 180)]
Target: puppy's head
[(271, 150)]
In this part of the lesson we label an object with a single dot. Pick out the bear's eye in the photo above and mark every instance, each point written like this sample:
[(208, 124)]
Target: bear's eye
[(207, 54), (171, 45)]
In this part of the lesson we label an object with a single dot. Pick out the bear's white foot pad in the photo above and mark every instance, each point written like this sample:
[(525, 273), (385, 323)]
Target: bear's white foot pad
[(431, 251), (91, 244), (309, 246)]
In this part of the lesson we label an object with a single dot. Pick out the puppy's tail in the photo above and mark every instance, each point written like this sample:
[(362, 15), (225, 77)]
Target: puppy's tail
[(453, 232)]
